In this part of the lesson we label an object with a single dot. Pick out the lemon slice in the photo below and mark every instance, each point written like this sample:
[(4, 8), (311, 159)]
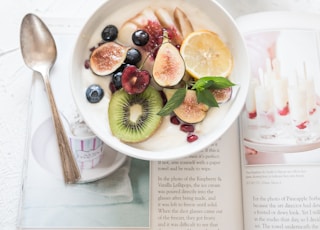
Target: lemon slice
[(205, 54)]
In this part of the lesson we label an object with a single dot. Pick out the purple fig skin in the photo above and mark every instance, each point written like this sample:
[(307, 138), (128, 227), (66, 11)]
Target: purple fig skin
[(134, 80)]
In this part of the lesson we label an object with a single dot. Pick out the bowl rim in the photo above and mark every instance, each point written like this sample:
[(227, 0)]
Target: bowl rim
[(180, 151)]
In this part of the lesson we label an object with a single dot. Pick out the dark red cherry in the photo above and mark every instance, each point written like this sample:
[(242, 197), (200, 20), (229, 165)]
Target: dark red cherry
[(134, 80)]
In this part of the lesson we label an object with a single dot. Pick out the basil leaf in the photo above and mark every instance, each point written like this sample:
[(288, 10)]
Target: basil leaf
[(174, 102), (222, 83), (206, 97), (212, 83), (199, 85)]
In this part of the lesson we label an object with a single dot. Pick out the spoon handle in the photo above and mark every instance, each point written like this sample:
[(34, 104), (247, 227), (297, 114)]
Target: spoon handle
[(70, 168)]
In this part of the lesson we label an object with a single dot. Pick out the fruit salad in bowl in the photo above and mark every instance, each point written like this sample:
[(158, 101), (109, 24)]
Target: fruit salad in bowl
[(159, 80)]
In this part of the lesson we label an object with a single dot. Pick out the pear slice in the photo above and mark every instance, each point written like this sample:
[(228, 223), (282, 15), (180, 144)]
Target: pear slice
[(169, 67), (125, 33), (166, 20), (182, 21), (190, 111)]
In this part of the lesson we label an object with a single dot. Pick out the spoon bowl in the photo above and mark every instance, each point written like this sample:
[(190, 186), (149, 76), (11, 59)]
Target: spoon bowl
[(39, 53), (37, 45)]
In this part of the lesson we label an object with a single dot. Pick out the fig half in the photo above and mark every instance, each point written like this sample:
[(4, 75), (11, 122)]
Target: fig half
[(222, 95), (190, 111), (108, 57), (169, 67)]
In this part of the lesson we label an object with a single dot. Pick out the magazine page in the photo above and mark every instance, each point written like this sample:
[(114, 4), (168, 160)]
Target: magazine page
[(202, 191), (280, 130), (116, 191)]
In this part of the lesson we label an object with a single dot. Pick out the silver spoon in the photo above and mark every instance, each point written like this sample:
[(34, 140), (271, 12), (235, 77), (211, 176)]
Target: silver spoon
[(39, 53)]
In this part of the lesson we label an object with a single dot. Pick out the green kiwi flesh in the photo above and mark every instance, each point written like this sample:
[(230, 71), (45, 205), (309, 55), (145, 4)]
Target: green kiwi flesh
[(133, 117)]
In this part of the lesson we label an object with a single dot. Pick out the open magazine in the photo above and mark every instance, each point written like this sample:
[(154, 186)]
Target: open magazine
[(279, 126), (261, 174)]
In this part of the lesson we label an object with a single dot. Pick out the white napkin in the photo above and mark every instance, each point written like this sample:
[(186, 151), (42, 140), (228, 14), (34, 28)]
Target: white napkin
[(41, 192)]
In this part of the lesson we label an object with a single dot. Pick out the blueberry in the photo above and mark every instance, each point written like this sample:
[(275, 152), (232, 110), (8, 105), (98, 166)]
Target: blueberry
[(109, 33), (94, 93), (116, 79), (121, 68), (133, 56), (140, 37)]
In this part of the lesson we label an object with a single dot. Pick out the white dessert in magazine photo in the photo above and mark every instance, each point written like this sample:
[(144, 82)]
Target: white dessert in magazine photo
[(160, 115), (284, 109)]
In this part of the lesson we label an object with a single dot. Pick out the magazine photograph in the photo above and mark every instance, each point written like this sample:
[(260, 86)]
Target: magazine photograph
[(282, 108)]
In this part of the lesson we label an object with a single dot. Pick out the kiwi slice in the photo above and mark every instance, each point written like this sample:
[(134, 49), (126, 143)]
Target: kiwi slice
[(133, 117)]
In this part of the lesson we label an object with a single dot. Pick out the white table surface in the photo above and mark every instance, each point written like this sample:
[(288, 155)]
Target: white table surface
[(14, 89)]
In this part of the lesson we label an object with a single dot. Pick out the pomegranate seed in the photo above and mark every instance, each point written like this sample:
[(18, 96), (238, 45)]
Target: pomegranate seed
[(192, 138), (174, 120), (112, 87), (87, 64), (187, 128), (92, 48)]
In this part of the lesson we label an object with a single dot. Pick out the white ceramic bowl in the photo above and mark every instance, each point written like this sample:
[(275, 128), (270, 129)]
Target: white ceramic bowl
[(168, 142)]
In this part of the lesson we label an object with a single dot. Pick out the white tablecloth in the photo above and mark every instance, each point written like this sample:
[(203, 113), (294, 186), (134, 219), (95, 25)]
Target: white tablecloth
[(14, 80)]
